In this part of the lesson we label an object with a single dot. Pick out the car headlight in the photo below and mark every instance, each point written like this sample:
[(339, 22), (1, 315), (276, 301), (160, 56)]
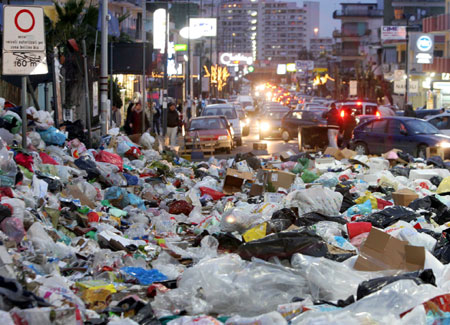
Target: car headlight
[(247, 121), (223, 137), (264, 126), (444, 144)]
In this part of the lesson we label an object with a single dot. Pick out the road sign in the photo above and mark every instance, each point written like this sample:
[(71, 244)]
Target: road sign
[(23, 41), (304, 65)]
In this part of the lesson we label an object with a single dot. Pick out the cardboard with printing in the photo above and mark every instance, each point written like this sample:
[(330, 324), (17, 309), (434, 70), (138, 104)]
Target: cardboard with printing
[(281, 179), (234, 180), (285, 155), (384, 252), (404, 197)]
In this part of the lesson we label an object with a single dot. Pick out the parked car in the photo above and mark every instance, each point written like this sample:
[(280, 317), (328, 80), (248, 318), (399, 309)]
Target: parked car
[(441, 122), (359, 107), (210, 128), (424, 113), (230, 113), (245, 121), (408, 134)]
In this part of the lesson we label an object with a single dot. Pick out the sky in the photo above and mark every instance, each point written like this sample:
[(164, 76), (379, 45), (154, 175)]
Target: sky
[(327, 7)]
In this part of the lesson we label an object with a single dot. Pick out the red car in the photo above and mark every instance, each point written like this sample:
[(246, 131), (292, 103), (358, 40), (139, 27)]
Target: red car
[(216, 130)]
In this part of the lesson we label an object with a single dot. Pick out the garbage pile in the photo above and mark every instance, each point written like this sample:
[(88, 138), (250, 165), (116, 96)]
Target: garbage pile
[(130, 233)]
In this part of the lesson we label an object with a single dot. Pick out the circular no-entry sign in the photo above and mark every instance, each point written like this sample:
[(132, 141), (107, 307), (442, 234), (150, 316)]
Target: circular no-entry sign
[(24, 21)]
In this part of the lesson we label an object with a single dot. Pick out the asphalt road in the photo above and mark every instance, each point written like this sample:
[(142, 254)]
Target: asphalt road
[(274, 145)]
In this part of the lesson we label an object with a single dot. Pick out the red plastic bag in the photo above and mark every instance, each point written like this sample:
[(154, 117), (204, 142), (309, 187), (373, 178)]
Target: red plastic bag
[(46, 159), (6, 191), (383, 203), (110, 158), (216, 195), (356, 228), (133, 153), (179, 207), (24, 160)]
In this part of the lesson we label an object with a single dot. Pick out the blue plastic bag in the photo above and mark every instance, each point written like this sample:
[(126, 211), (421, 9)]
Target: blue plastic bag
[(364, 209), (136, 201), (114, 194), (131, 179), (145, 277), (52, 136)]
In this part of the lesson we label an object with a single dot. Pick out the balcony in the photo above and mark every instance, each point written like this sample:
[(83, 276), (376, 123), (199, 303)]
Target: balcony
[(358, 12), (438, 23), (340, 34), (439, 65)]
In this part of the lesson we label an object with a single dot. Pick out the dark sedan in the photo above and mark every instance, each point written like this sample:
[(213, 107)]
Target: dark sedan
[(408, 134), (270, 123)]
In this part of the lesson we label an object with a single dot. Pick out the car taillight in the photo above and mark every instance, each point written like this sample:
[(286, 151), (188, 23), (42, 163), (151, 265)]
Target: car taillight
[(378, 114), (359, 103), (342, 114)]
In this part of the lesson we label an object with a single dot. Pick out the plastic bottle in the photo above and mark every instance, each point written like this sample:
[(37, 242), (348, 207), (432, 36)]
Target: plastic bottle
[(8, 168)]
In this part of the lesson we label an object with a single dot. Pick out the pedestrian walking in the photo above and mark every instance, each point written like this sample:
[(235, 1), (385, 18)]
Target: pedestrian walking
[(173, 121), (116, 116), (333, 124), (156, 119), (134, 119), (347, 126)]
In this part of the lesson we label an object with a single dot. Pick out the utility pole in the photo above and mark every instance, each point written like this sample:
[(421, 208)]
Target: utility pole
[(165, 80), (104, 69), (144, 72)]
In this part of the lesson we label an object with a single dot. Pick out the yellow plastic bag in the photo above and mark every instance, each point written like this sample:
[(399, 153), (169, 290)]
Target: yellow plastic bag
[(368, 196), (444, 187), (255, 233)]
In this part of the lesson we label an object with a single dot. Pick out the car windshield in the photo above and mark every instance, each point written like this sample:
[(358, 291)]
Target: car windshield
[(228, 112), (421, 127), (206, 124), (277, 115)]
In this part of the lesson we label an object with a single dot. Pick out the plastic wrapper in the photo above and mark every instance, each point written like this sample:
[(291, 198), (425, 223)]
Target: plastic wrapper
[(321, 200), (146, 140), (265, 319), (208, 249), (110, 158), (17, 206), (144, 277), (230, 285), (328, 179), (13, 228), (406, 232)]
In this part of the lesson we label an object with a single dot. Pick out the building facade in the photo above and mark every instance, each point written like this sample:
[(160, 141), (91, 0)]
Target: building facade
[(321, 46), (358, 40), (312, 9)]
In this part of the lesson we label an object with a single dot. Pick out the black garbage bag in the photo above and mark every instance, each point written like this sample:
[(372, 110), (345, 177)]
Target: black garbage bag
[(432, 205), (368, 287), (277, 225), (146, 316), (400, 171), (284, 245), (436, 180), (349, 198), (85, 163), (5, 212), (312, 218), (389, 216), (227, 241), (442, 248), (405, 156), (253, 161), (436, 161), (54, 184), (340, 303), (285, 213), (14, 295), (75, 130)]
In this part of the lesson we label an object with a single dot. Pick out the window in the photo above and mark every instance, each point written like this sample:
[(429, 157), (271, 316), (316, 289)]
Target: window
[(396, 127), (371, 110), (440, 122), (378, 126)]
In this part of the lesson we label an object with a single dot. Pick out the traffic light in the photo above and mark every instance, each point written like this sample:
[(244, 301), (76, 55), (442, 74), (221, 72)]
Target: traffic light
[(250, 69)]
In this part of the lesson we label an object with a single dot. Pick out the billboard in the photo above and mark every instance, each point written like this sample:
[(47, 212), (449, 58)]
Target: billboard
[(422, 47), (393, 33), (204, 26), (234, 59)]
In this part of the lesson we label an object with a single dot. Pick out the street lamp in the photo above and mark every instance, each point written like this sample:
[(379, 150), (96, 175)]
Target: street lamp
[(316, 31)]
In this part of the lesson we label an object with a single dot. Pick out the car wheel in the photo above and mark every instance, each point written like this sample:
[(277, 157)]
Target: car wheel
[(422, 151), (361, 148), (285, 136), (239, 142)]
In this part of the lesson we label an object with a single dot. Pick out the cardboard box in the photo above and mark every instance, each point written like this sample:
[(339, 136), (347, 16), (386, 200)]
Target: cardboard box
[(435, 151), (260, 146), (234, 180), (340, 154), (282, 179), (285, 155), (75, 192), (404, 197), (384, 252)]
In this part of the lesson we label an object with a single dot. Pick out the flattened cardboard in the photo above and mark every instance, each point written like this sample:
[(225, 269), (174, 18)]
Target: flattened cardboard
[(75, 192), (384, 252), (285, 155), (435, 151), (234, 180), (340, 154), (404, 197)]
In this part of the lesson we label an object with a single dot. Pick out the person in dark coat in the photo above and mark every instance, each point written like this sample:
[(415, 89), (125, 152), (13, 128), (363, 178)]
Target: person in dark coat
[(333, 124), (347, 126), (173, 121), (409, 111), (134, 119)]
